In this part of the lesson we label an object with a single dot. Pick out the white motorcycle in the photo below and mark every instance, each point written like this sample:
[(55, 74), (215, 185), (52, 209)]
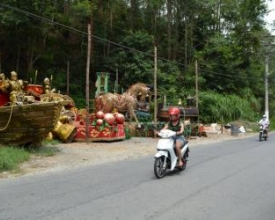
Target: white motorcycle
[(166, 158)]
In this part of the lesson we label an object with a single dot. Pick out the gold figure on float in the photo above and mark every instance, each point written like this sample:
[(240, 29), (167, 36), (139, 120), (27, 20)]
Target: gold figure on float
[(3, 83), (15, 87), (47, 86)]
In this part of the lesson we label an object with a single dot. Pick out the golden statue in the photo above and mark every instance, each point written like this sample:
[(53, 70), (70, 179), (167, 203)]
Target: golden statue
[(47, 86), (3, 83), (15, 87)]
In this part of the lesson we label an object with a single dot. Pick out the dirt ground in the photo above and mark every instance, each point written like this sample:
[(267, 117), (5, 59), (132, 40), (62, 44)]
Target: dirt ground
[(72, 155)]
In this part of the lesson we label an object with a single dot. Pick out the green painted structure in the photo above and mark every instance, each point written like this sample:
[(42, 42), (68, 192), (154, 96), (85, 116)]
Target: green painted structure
[(102, 82)]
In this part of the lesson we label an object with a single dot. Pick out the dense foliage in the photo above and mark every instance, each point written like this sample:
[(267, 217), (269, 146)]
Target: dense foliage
[(226, 38), (224, 108)]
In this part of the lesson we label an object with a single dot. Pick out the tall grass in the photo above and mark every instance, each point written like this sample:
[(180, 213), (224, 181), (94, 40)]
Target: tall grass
[(10, 157)]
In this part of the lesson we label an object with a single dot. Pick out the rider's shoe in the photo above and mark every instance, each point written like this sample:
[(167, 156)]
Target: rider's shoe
[(180, 164)]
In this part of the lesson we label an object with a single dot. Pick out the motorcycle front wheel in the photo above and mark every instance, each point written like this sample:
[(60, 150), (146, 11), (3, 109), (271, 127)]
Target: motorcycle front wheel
[(159, 168), (260, 136)]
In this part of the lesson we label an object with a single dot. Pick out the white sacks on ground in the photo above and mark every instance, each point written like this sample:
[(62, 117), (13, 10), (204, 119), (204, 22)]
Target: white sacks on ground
[(242, 129)]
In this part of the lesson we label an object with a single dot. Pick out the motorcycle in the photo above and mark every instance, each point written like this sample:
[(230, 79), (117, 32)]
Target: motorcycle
[(262, 133), (166, 158)]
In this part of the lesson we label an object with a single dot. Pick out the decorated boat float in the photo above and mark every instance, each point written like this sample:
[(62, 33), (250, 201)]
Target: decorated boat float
[(24, 117), (28, 123)]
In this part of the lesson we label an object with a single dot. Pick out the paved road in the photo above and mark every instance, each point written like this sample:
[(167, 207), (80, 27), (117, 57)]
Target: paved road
[(229, 180)]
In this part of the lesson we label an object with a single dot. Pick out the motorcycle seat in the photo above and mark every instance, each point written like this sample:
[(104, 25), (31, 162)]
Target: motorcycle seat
[(184, 143)]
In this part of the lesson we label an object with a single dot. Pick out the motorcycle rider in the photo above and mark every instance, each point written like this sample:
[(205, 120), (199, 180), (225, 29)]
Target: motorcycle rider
[(175, 124), (265, 123)]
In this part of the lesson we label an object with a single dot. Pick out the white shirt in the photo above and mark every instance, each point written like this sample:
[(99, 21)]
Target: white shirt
[(264, 122)]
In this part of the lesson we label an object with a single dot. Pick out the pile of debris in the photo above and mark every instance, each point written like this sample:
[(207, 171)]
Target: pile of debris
[(215, 128)]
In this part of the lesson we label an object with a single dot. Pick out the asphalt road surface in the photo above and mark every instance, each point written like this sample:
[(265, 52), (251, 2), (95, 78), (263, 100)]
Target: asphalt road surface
[(228, 180)]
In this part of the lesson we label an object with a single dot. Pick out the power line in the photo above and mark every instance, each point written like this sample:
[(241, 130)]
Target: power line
[(69, 28)]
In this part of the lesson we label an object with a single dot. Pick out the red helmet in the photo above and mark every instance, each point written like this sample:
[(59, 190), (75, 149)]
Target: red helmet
[(174, 113)]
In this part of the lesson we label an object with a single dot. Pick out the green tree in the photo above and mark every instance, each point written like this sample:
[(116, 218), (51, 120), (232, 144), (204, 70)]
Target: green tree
[(134, 60)]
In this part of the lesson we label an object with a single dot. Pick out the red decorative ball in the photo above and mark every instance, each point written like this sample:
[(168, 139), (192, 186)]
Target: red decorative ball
[(99, 121), (109, 118), (119, 118), (100, 114)]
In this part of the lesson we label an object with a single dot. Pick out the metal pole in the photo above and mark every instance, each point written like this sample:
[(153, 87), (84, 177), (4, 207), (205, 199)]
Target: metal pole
[(268, 42), (266, 87)]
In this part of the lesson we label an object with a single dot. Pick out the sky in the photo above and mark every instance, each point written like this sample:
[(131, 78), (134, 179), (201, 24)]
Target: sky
[(271, 16)]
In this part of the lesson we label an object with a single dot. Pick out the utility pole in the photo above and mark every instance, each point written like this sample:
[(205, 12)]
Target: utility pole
[(116, 82), (0, 63), (68, 77), (266, 87), (197, 86), (155, 85), (87, 81), (268, 42)]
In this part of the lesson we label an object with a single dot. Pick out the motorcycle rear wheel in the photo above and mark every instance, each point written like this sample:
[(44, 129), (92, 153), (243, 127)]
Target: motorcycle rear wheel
[(159, 169)]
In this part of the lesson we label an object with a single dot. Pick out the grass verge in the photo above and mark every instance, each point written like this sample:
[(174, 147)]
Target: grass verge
[(12, 156)]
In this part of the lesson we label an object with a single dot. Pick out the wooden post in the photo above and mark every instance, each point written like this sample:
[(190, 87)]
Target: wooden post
[(155, 87), (35, 77), (197, 87), (0, 63), (87, 81), (68, 77), (116, 82), (197, 90)]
